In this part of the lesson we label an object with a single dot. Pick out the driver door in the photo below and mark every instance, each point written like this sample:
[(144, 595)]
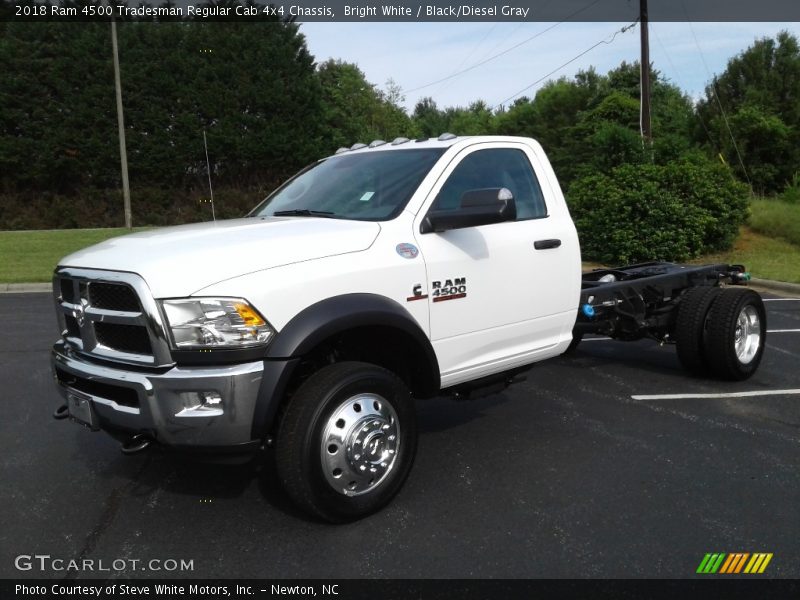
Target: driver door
[(496, 297)]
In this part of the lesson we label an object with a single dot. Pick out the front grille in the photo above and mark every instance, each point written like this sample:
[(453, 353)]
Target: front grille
[(111, 316), (113, 296), (121, 395)]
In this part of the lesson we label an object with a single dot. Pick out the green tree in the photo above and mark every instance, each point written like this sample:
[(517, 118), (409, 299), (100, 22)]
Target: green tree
[(354, 110), (476, 119), (758, 92), (57, 120), (591, 123), (252, 87), (427, 119)]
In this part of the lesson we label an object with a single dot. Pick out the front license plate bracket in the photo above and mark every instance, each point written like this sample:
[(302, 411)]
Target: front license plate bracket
[(81, 409)]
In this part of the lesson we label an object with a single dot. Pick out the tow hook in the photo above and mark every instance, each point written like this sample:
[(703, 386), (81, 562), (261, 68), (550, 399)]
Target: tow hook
[(137, 443), (62, 412)]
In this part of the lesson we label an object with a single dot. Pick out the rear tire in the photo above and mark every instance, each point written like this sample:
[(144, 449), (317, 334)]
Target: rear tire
[(690, 328), (737, 334), (347, 441)]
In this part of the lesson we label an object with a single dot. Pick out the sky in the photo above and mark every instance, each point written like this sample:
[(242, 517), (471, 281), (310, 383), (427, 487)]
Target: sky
[(417, 54)]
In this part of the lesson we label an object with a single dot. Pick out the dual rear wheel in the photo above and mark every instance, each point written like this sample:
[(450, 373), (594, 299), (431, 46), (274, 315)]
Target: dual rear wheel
[(721, 332)]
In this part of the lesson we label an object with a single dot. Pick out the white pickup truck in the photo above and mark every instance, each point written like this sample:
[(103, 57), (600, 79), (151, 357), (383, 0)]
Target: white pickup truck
[(381, 275)]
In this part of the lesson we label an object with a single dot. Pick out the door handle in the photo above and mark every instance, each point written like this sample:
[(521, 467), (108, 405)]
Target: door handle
[(546, 244)]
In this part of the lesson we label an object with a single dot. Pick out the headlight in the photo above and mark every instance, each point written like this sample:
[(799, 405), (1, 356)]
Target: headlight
[(207, 323)]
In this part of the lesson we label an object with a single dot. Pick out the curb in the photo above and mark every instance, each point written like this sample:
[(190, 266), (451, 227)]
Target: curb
[(777, 287), (21, 288)]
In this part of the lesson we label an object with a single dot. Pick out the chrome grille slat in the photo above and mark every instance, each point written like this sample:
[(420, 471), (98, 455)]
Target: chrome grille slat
[(100, 315), (110, 315)]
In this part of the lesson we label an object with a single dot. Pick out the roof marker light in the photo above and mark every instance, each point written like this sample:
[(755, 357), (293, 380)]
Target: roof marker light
[(376, 143), (358, 146), (399, 140), (340, 150), (447, 136)]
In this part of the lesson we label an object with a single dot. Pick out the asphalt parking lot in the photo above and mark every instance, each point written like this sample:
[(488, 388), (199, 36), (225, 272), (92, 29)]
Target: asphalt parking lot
[(563, 475)]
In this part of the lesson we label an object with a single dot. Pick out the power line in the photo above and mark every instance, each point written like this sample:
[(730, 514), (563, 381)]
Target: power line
[(504, 52), (503, 40), (511, 35), (680, 76), (471, 52), (716, 96), (570, 61)]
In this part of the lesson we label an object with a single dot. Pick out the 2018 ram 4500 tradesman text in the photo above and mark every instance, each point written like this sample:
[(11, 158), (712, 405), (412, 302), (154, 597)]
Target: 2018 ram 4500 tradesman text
[(374, 277)]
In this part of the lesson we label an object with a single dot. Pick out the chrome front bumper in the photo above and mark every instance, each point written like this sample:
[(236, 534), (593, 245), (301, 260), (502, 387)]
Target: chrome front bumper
[(166, 405)]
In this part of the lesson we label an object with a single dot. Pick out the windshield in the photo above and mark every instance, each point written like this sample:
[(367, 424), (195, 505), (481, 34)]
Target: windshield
[(370, 186)]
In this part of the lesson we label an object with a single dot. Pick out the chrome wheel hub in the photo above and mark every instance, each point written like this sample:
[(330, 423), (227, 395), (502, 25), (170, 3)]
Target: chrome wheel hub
[(747, 336), (359, 444)]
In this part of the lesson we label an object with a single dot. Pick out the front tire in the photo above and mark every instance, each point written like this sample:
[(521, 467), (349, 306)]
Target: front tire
[(347, 441)]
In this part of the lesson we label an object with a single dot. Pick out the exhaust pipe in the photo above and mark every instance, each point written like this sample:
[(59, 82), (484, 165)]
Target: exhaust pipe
[(137, 443), (62, 412)]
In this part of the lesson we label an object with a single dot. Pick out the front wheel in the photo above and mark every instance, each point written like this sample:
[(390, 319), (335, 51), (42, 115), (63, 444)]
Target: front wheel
[(347, 441)]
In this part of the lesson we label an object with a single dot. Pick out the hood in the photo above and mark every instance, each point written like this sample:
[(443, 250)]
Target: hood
[(177, 261)]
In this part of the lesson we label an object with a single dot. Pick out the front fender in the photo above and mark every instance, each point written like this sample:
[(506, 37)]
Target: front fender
[(319, 322)]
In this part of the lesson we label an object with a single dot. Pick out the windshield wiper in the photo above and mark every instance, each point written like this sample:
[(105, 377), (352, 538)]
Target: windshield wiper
[(302, 212)]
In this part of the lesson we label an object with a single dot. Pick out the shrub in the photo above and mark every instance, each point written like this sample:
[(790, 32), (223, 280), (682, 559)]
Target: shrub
[(791, 194), (669, 212), (712, 187)]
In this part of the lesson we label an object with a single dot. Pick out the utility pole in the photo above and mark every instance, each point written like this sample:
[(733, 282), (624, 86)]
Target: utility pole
[(123, 154), (647, 132)]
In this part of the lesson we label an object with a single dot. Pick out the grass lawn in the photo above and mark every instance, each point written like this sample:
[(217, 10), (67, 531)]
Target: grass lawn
[(765, 257), (31, 256), (776, 219)]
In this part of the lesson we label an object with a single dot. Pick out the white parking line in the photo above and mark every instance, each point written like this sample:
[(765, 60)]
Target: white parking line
[(782, 351), (720, 395), (781, 299)]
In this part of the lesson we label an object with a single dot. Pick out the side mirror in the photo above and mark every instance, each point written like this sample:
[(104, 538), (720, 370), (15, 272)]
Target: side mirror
[(478, 207)]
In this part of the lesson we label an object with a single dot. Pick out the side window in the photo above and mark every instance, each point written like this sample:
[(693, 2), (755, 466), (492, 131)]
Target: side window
[(496, 168)]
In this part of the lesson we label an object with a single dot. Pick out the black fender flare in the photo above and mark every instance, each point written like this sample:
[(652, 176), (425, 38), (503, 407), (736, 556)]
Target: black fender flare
[(318, 322), (340, 313)]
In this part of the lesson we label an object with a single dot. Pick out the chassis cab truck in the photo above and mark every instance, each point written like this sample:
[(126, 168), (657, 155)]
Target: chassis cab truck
[(381, 275)]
